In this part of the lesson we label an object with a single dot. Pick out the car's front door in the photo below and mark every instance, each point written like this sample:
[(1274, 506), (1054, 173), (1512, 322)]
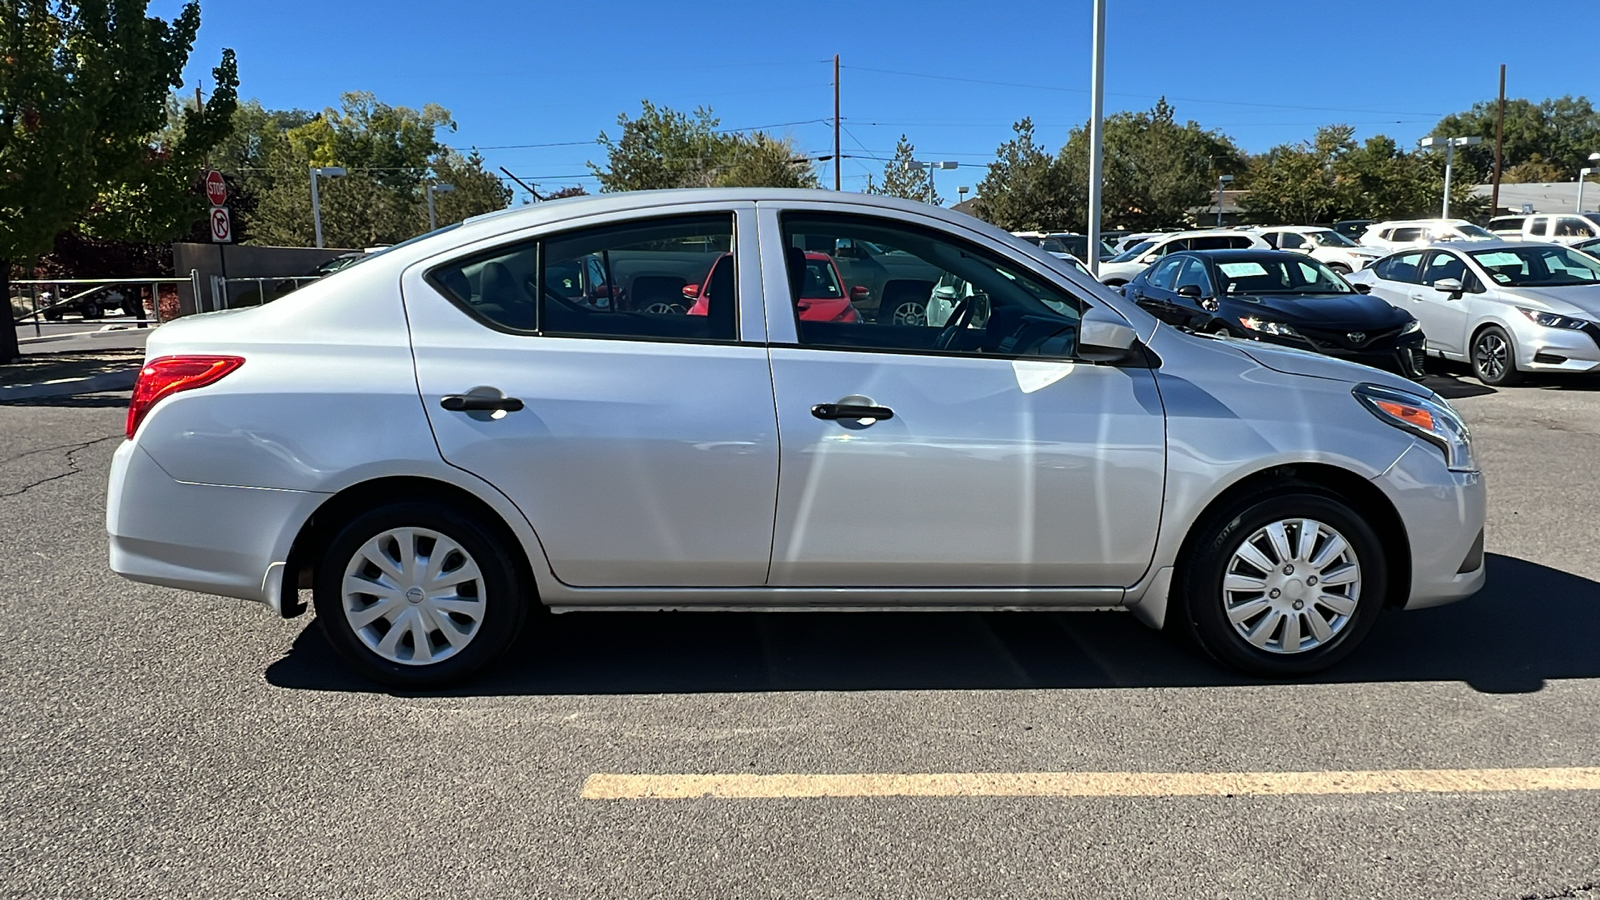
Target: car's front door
[(1153, 289), (1397, 281), (642, 446), (1443, 314), (972, 455)]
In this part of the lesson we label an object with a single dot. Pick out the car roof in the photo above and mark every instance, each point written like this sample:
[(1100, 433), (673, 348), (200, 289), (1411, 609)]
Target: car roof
[(1245, 253)]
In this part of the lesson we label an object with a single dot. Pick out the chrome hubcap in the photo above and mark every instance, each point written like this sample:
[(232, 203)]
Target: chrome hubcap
[(1492, 355), (1292, 586), (413, 596)]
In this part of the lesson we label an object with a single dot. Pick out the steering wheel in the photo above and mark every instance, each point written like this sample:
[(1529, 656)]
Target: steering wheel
[(958, 321)]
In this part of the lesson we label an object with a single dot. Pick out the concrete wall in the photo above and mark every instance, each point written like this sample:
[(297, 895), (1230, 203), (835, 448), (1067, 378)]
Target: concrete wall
[(240, 261)]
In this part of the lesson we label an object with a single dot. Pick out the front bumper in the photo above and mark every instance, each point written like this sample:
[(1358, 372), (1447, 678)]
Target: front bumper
[(1541, 349), (1443, 513), (215, 539), (1403, 354)]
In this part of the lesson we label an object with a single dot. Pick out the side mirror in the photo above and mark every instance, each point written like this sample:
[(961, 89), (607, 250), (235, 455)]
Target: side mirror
[(1361, 287), (691, 291), (1104, 336), (1192, 291), (844, 248), (1448, 285), (860, 293), (1148, 258)]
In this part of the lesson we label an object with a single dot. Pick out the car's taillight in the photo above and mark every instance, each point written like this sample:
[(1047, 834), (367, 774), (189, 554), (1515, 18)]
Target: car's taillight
[(167, 375)]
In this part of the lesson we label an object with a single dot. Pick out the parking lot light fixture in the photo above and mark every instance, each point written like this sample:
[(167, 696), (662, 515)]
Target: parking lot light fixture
[(316, 198), (436, 189), (1222, 182), (1449, 145), (929, 167)]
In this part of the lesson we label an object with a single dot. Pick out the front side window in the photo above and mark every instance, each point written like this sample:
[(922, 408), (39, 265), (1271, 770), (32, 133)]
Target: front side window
[(1132, 253), (1402, 267), (1195, 275), (1405, 235), (670, 278), (1442, 265), (1330, 238), (1291, 241), (1165, 273), (1540, 226), (920, 290)]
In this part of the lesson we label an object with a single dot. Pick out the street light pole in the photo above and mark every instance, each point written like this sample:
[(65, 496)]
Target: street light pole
[(316, 197), (1449, 145), (1222, 182), (928, 167), (1582, 174), (1097, 98), (436, 189)]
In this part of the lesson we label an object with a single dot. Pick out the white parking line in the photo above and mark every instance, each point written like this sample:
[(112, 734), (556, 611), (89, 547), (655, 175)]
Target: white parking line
[(614, 786)]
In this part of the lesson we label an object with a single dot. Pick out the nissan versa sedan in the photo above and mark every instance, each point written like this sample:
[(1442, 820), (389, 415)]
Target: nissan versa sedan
[(441, 442), (1280, 297), (1508, 308)]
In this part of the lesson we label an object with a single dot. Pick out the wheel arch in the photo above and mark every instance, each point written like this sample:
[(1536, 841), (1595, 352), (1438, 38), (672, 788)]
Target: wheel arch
[(1346, 486), (319, 528)]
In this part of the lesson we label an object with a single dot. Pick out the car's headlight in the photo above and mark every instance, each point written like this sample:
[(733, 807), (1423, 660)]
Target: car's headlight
[(1411, 326), (1256, 323), (1551, 320), (1432, 420)]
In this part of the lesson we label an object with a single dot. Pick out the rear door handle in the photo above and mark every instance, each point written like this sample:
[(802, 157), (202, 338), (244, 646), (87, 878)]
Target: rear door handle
[(851, 411), (471, 402)]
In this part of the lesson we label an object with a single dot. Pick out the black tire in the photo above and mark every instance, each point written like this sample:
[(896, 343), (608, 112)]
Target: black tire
[(91, 311), (1494, 358), (1202, 603), (1339, 268), (505, 604)]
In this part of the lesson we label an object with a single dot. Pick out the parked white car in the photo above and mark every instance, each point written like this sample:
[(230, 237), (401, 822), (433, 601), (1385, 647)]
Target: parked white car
[(1506, 308), (1556, 228), (1387, 236), (1327, 246), (445, 440), (1122, 268)]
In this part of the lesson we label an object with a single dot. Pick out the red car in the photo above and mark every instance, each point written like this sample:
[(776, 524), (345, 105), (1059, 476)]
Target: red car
[(822, 294)]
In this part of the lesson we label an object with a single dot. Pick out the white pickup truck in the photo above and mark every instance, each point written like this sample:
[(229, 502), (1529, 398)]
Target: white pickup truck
[(1549, 228)]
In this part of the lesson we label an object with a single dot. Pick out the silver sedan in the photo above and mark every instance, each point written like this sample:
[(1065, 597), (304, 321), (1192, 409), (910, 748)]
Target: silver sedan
[(643, 401), (1508, 308)]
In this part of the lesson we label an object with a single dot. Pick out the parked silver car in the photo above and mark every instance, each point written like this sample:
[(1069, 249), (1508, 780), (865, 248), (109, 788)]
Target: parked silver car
[(454, 435), (1506, 307)]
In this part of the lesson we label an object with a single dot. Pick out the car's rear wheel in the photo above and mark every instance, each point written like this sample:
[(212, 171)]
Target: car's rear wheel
[(1283, 584), (1494, 358), (1340, 268), (418, 596)]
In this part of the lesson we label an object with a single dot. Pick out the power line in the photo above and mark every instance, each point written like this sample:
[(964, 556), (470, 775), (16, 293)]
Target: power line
[(596, 140), (1067, 90)]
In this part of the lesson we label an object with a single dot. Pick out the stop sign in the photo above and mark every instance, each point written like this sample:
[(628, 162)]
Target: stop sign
[(216, 188)]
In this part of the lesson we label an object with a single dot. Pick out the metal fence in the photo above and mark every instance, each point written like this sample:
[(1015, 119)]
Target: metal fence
[(50, 298), (227, 293)]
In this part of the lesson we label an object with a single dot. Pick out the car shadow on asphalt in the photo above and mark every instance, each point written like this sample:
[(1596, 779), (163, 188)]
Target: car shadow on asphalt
[(1452, 386), (1529, 625)]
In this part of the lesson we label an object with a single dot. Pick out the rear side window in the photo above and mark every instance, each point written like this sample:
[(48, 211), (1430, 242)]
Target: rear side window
[(1539, 226), (1402, 235), (664, 279)]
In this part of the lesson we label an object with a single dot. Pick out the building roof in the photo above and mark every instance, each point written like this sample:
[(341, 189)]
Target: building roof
[(1543, 196)]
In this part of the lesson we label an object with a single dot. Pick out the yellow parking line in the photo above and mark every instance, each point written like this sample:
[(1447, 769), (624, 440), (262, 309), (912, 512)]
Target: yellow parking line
[(614, 786)]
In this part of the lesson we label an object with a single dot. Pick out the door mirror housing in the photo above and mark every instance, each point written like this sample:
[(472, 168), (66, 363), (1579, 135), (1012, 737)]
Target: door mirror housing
[(1192, 291), (844, 248), (1361, 287), (1448, 285), (691, 291), (860, 293), (1104, 336)]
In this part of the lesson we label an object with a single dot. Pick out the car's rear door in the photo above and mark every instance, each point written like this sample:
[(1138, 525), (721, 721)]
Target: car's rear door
[(987, 456), (642, 446)]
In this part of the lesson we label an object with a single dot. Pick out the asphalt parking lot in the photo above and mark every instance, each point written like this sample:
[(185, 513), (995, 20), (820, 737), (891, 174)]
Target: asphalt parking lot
[(161, 743)]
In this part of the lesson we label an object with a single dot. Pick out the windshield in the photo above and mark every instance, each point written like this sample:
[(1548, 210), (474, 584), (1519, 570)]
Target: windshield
[(1538, 266), (1330, 238), (1277, 276), (1473, 232), (1132, 253)]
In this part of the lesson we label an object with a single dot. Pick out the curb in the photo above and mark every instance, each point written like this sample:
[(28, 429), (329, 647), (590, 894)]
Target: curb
[(68, 387)]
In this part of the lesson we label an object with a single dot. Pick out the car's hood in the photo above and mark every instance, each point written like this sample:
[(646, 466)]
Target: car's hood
[(1320, 310), (1580, 299), (1293, 361)]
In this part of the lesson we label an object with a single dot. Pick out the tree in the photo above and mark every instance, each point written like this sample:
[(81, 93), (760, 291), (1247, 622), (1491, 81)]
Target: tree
[(663, 148), (391, 155), (571, 190), (84, 84), (903, 178), (1026, 189), (1534, 170), (1562, 132), (1331, 177)]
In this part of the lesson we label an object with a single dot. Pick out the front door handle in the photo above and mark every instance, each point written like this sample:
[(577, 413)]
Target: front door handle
[(471, 402), (851, 411)]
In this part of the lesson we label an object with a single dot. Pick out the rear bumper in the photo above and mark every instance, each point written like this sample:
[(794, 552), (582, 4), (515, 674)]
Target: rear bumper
[(215, 539)]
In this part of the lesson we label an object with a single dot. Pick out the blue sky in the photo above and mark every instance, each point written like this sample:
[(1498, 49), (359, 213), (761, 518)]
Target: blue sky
[(952, 76)]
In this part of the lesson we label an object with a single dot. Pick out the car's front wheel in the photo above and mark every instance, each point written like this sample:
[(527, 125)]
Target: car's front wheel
[(1494, 358), (1283, 584), (418, 596)]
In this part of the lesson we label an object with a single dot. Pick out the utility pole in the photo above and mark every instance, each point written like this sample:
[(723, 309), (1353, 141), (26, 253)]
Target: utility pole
[(837, 161), (1499, 145), (1097, 96)]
